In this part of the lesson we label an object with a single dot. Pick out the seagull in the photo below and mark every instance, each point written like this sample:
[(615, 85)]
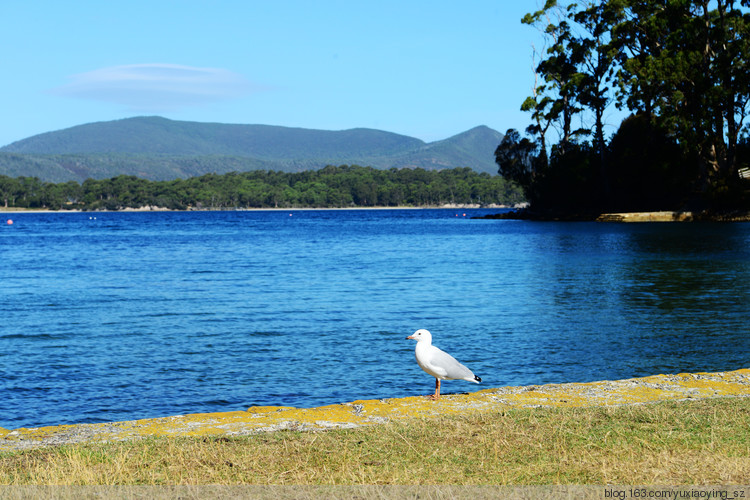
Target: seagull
[(437, 363)]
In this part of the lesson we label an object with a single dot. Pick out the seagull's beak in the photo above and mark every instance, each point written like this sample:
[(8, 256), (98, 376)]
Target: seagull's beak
[(410, 337)]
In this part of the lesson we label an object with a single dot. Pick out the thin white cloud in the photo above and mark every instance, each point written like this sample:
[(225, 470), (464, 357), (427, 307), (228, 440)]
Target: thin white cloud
[(157, 87)]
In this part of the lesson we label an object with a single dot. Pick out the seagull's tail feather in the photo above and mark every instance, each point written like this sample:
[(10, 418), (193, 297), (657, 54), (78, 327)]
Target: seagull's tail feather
[(476, 379)]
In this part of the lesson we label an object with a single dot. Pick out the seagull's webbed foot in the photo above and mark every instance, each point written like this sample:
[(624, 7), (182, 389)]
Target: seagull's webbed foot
[(435, 396)]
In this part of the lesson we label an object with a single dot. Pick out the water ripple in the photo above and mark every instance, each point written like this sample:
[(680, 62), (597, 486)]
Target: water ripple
[(137, 315)]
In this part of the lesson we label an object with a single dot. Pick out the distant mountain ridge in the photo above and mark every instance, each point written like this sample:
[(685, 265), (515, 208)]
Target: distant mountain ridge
[(161, 149)]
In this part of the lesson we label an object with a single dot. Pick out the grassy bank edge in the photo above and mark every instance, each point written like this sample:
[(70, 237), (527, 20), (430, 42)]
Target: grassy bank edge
[(687, 442)]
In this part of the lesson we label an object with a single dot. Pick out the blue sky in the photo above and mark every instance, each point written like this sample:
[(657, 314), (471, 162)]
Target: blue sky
[(427, 69)]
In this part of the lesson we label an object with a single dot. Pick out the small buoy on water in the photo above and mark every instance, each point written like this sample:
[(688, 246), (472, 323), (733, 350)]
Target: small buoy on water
[(290, 215), (10, 222)]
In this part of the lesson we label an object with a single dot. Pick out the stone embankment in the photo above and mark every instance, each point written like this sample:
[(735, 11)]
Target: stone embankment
[(736, 216), (647, 217), (730, 216), (369, 412)]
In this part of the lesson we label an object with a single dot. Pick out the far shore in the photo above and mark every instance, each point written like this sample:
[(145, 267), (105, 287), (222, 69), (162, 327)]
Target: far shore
[(14, 210), (517, 212)]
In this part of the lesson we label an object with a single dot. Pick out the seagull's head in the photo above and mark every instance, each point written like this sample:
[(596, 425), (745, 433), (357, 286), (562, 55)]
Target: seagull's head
[(421, 335)]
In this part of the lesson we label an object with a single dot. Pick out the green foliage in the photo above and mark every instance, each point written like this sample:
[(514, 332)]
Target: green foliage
[(343, 186), (570, 184), (521, 161), (680, 67), (645, 168)]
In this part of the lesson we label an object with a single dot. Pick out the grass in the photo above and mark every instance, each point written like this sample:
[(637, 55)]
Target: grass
[(695, 442)]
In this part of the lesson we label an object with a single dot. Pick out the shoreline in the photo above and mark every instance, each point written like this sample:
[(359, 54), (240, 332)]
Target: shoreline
[(515, 213), (628, 217), (651, 389), (10, 210)]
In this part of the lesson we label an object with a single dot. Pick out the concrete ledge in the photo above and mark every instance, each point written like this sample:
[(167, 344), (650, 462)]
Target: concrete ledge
[(729, 216), (647, 217), (369, 412)]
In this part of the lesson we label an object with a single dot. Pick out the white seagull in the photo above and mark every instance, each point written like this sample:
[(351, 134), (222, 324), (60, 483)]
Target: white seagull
[(437, 363)]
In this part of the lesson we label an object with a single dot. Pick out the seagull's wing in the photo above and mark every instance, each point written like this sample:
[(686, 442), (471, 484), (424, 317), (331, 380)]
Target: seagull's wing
[(447, 366)]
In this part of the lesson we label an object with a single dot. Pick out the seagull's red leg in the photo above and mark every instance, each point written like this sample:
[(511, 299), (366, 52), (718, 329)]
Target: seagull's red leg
[(437, 390)]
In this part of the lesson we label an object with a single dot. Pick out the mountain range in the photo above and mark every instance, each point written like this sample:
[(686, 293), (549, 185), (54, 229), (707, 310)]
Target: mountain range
[(157, 148)]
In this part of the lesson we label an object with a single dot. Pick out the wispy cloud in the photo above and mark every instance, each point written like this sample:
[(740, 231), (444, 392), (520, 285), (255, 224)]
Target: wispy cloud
[(157, 87)]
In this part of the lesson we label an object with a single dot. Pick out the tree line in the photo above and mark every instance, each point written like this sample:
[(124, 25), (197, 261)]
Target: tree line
[(678, 69), (332, 186)]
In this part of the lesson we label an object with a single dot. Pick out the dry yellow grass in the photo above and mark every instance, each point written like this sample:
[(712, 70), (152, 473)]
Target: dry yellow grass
[(695, 442)]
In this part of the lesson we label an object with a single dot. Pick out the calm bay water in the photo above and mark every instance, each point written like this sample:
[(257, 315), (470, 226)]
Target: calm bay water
[(118, 316)]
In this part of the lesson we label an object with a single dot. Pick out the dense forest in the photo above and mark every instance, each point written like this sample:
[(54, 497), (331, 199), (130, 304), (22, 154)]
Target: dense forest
[(676, 69), (342, 186)]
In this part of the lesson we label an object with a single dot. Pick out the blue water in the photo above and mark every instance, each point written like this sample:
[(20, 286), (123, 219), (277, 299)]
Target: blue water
[(118, 316)]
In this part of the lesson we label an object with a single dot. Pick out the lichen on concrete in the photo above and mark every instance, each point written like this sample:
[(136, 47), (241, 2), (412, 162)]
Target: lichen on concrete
[(379, 411), (647, 217)]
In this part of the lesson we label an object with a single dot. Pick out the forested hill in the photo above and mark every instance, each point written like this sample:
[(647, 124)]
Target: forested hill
[(160, 149)]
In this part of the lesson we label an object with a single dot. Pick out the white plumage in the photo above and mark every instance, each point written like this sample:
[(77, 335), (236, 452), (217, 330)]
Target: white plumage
[(438, 363)]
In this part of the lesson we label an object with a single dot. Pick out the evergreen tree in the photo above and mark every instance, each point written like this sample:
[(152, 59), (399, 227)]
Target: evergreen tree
[(680, 66)]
